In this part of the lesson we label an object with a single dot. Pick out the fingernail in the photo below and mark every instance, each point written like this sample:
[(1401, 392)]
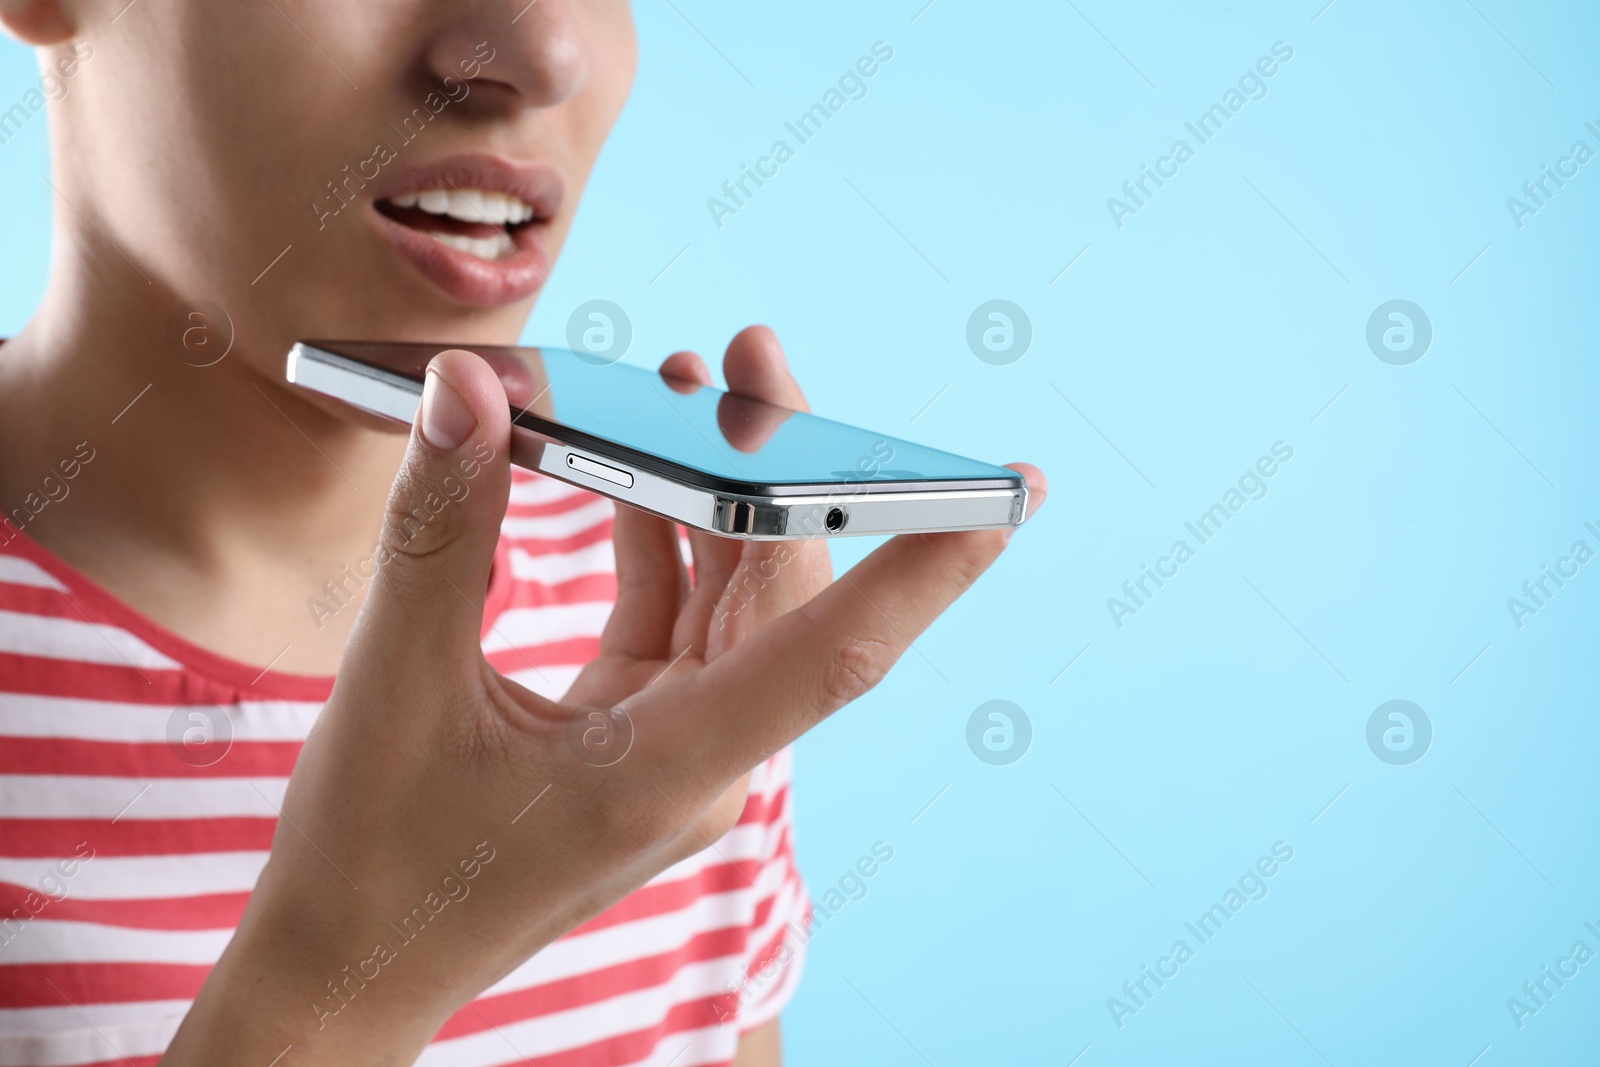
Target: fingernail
[(446, 419)]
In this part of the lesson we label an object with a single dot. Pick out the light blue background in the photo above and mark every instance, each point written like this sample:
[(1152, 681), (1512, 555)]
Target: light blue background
[(1228, 713)]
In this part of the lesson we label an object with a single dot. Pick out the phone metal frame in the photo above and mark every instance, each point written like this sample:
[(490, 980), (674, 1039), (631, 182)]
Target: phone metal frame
[(731, 509)]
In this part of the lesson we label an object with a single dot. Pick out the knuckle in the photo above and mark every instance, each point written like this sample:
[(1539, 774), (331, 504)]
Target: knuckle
[(684, 845), (855, 666), (634, 828), (416, 525), (966, 557), (724, 813), (713, 825)]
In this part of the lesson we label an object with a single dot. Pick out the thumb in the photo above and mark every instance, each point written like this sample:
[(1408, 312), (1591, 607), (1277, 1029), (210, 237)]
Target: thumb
[(443, 516)]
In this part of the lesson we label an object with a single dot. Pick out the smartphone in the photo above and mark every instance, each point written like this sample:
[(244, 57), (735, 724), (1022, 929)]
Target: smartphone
[(696, 455)]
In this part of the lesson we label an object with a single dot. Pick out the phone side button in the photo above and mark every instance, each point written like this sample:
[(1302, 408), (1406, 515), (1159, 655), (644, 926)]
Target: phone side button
[(585, 465)]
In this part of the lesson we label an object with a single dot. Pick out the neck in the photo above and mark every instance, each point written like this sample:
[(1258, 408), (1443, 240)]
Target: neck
[(218, 483)]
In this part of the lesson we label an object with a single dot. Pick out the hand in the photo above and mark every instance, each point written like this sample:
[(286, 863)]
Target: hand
[(433, 787), (662, 628)]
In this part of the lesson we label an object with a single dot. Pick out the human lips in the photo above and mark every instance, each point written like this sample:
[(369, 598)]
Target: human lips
[(475, 226)]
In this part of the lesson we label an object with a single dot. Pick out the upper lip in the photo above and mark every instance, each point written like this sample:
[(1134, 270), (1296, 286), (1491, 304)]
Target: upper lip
[(536, 184)]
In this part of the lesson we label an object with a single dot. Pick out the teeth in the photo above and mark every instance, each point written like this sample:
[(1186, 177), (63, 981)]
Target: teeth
[(468, 205), (487, 207), (491, 248)]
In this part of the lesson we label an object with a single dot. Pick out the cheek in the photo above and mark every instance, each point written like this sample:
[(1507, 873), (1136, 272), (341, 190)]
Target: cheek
[(613, 59), (621, 42)]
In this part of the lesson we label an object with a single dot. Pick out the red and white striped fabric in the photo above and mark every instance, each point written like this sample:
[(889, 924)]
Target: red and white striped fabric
[(124, 867)]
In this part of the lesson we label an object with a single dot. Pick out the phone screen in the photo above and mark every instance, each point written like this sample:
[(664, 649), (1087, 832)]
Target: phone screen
[(649, 418)]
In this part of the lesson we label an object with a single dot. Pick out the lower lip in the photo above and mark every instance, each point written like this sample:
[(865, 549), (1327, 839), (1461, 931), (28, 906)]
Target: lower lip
[(467, 278)]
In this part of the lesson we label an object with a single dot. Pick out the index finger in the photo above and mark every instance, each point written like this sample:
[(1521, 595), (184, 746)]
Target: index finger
[(784, 679)]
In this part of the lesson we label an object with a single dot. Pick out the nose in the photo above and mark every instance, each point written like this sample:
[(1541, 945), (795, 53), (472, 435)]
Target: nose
[(524, 54)]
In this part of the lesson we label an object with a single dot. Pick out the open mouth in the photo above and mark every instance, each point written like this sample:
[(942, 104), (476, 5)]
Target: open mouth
[(477, 226), (479, 222)]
